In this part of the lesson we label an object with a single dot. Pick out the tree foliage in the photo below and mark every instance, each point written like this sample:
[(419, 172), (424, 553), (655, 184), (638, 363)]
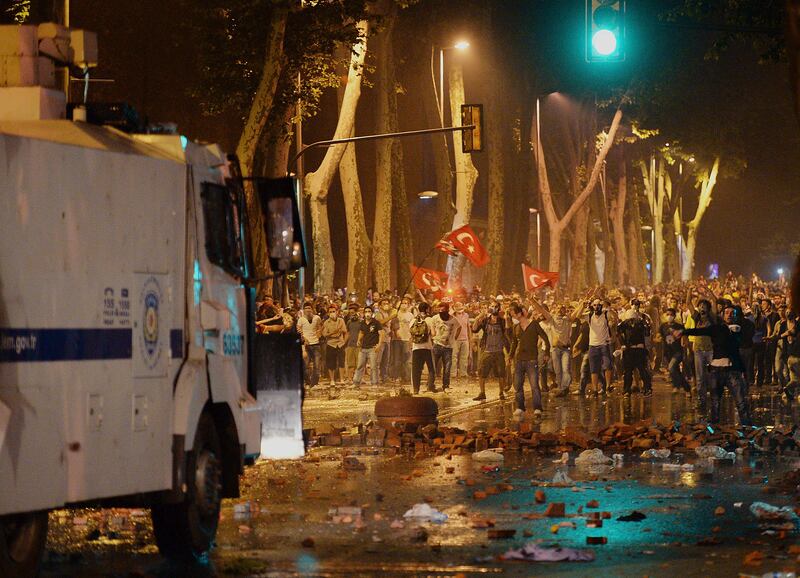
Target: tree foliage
[(232, 54), (759, 23)]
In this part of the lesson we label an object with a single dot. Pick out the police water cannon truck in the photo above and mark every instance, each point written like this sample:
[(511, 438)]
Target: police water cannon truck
[(130, 371)]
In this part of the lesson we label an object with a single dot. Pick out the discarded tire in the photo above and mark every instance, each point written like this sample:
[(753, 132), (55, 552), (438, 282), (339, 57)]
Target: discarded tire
[(406, 409)]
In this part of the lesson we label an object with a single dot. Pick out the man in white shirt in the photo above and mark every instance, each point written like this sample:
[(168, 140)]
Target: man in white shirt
[(446, 331), (599, 344), (310, 328), (559, 330), (461, 344), (401, 341)]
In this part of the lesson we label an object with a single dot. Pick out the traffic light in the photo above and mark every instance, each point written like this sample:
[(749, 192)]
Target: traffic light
[(605, 30)]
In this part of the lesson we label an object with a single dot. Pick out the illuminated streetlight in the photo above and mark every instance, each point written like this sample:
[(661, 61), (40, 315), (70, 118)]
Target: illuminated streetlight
[(427, 194), (461, 46)]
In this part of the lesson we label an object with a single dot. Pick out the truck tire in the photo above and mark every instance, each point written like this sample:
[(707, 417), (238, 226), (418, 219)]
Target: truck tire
[(22, 541), (185, 531)]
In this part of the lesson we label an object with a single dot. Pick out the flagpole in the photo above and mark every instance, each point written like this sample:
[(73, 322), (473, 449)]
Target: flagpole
[(413, 276)]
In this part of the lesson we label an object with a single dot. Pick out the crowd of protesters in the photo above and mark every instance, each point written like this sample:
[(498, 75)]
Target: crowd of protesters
[(731, 334)]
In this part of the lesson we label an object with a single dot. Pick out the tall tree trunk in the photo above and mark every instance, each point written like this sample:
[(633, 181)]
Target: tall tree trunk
[(249, 139), (358, 243), (579, 261), (618, 220), (276, 144), (385, 87), (466, 173), (555, 224), (318, 183), (707, 185), (497, 191), (655, 179)]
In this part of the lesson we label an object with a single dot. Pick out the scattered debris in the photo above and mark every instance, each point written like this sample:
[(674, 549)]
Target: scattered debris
[(556, 510), (307, 543), (424, 512), (596, 540), (592, 457), (719, 511), (532, 552), (632, 517), (488, 456), (658, 454), (501, 534), (769, 513)]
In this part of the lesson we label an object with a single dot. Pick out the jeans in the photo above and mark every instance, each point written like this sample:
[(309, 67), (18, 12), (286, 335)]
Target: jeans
[(443, 356), (635, 358), (521, 369), (420, 357), (562, 359), (586, 374), (747, 359), (401, 360), (760, 361), (769, 363), (701, 361), (382, 359), (544, 368), (675, 373), (461, 357), (781, 370), (313, 363), (734, 380), (364, 356)]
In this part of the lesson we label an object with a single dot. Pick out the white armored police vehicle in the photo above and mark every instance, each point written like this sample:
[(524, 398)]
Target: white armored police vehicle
[(129, 364)]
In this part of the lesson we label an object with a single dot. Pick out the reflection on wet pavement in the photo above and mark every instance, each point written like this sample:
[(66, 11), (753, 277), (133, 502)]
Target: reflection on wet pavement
[(314, 517)]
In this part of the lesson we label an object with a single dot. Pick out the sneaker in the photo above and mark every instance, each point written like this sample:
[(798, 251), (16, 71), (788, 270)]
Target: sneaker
[(537, 412), (333, 384), (562, 393), (481, 397)]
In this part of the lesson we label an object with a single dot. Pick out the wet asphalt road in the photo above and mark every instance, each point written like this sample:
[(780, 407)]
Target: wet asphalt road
[(286, 503)]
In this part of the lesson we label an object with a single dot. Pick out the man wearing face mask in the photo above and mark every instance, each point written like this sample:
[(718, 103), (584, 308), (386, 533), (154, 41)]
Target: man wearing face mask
[(368, 337), (727, 369), (446, 330), (493, 342), (673, 352), (600, 338), (334, 330), (633, 331)]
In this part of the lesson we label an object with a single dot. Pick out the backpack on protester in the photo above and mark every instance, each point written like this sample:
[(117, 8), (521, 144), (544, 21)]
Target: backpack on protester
[(420, 332)]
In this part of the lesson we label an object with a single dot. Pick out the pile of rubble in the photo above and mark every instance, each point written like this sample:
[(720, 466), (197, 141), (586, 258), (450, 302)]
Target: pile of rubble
[(619, 437)]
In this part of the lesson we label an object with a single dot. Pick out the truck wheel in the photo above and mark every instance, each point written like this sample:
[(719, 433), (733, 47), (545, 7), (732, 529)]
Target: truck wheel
[(186, 531), (22, 541)]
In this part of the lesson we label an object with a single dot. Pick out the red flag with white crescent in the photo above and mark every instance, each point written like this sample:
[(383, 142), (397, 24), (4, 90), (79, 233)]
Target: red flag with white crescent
[(534, 278), (425, 279), (466, 241)]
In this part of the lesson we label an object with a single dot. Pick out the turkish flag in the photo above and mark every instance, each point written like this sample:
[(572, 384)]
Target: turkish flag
[(425, 279), (446, 246), (466, 241), (535, 278)]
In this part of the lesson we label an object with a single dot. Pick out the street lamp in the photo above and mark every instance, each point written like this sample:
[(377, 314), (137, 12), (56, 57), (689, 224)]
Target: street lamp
[(534, 213), (427, 194), (461, 46)]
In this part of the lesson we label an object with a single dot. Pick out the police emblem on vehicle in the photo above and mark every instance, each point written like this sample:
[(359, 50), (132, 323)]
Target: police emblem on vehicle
[(151, 300)]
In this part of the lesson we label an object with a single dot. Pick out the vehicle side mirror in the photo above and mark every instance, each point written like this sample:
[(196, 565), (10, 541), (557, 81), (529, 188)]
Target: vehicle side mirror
[(282, 226)]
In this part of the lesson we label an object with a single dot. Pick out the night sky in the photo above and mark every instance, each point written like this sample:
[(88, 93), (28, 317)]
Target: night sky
[(144, 48)]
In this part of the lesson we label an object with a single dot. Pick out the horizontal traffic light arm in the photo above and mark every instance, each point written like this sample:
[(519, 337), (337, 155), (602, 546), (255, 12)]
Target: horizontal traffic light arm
[(327, 143)]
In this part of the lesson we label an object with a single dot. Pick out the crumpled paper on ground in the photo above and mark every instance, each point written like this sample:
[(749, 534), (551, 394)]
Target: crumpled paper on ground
[(532, 552), (488, 456), (425, 513), (770, 513), (592, 457)]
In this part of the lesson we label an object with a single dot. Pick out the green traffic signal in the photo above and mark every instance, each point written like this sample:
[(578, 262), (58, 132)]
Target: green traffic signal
[(605, 30)]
